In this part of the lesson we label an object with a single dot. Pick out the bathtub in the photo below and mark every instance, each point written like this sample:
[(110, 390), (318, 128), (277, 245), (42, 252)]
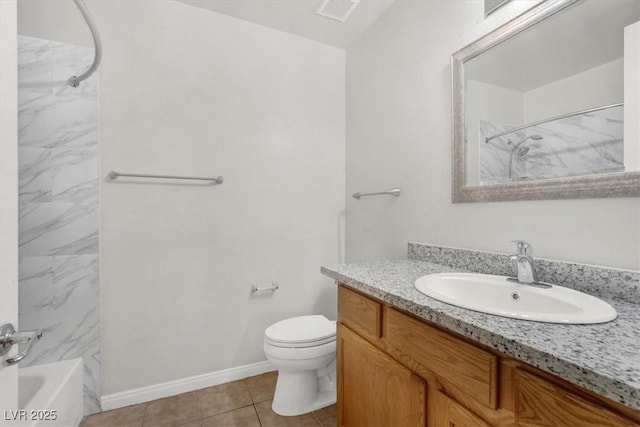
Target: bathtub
[(51, 394)]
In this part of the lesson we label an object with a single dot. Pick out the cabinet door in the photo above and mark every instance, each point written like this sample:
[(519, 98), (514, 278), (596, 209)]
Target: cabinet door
[(373, 389), (540, 403), (448, 413)]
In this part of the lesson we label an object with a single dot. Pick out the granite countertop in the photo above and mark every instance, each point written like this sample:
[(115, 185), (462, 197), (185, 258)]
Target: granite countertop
[(604, 358)]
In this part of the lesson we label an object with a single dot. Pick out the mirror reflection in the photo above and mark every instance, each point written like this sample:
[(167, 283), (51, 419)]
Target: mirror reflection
[(560, 99)]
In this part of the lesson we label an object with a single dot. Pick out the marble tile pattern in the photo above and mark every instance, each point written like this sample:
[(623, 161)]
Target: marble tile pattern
[(603, 358), (58, 207), (495, 155), (586, 144)]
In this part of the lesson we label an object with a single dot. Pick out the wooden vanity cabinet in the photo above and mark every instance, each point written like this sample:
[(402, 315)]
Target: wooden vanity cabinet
[(539, 402), (375, 389), (363, 315), (395, 370), (448, 413)]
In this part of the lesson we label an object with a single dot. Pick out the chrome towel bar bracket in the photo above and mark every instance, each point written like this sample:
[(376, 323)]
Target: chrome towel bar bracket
[(113, 175), (395, 192), (9, 337), (274, 286)]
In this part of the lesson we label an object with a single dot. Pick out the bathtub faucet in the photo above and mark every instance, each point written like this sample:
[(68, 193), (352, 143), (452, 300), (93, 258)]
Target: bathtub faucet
[(9, 337)]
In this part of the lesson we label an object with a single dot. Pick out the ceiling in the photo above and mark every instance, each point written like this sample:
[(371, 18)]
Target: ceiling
[(298, 17), (584, 36)]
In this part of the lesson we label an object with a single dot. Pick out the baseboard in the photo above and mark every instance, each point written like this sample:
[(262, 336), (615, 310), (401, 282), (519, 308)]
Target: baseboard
[(171, 388)]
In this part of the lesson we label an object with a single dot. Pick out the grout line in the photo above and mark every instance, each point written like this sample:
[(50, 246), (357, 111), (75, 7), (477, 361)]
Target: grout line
[(249, 390), (230, 410), (225, 412), (202, 417), (257, 415), (199, 405), (144, 417)]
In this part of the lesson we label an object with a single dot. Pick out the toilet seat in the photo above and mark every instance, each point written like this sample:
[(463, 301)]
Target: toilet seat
[(301, 332), (308, 344), (293, 354)]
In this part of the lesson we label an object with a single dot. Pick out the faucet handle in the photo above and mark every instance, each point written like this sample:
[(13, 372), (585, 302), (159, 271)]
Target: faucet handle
[(524, 248)]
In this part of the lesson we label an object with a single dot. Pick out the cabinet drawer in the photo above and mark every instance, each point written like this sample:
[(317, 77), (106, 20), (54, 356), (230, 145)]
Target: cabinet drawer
[(460, 367), (360, 313), (541, 403)]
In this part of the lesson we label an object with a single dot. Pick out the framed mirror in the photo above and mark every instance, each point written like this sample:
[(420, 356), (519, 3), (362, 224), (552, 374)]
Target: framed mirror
[(491, 6), (548, 105)]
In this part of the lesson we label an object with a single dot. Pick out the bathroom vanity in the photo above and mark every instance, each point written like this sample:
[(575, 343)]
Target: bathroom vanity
[(407, 360)]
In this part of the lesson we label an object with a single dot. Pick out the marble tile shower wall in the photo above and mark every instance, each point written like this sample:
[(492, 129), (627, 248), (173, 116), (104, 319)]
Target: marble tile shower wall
[(580, 145), (58, 202)]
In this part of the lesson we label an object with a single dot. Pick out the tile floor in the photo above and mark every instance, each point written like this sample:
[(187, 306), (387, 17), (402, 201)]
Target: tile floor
[(244, 403)]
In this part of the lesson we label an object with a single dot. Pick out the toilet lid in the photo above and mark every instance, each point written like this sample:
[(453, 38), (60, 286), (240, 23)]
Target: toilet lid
[(303, 329)]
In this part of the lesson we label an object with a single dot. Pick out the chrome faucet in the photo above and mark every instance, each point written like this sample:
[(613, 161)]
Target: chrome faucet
[(524, 261), (526, 269)]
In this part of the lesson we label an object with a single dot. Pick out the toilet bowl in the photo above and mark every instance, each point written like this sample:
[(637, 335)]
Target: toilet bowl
[(303, 350)]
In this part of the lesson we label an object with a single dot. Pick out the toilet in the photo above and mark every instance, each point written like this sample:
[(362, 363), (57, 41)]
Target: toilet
[(303, 350)]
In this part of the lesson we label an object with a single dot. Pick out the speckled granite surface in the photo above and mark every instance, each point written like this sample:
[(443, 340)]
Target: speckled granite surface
[(604, 358), (600, 281)]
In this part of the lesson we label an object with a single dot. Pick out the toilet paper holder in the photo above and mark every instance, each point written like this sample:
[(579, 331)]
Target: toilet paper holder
[(274, 286)]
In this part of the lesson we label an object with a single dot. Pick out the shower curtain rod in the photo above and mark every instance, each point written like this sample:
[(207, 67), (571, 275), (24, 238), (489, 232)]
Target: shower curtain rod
[(74, 81), (564, 116)]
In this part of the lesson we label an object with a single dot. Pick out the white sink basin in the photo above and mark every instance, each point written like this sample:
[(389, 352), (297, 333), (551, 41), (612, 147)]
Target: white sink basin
[(496, 295)]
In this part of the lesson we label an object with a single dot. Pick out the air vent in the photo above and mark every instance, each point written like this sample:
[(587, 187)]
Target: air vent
[(337, 9)]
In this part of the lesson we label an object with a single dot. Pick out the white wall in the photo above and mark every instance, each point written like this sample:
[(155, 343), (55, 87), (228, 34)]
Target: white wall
[(598, 86), (399, 134), (488, 102), (632, 96), (187, 91)]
